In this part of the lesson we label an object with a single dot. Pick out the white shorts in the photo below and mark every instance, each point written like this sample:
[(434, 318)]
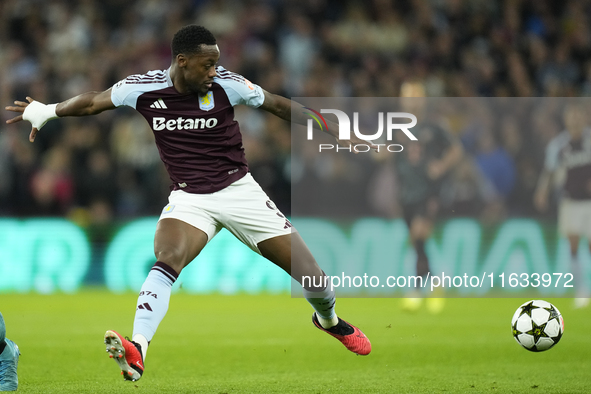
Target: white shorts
[(243, 208), (574, 217)]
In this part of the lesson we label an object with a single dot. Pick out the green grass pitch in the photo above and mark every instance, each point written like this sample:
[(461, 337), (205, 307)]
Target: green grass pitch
[(267, 343)]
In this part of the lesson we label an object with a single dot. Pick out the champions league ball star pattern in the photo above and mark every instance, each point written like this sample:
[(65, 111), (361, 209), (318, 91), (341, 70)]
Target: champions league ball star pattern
[(537, 325)]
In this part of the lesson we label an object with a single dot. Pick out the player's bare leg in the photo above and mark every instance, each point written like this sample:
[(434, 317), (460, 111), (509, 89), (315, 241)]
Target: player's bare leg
[(419, 231), (291, 254), (421, 228), (280, 250), (581, 289), (176, 244)]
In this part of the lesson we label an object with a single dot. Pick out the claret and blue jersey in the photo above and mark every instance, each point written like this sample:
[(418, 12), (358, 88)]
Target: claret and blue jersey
[(573, 156), (198, 139)]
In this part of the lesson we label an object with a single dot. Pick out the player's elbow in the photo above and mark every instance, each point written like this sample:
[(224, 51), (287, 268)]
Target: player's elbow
[(92, 110), (277, 105), (97, 103)]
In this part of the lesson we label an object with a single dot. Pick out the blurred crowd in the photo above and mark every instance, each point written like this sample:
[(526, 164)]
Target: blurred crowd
[(97, 169)]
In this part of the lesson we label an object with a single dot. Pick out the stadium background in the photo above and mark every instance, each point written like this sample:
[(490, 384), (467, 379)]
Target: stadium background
[(103, 173)]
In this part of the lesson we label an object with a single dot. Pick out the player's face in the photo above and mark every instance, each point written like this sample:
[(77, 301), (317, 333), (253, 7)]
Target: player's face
[(575, 121), (200, 69)]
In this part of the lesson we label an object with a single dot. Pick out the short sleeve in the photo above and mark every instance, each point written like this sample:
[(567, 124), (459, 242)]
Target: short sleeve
[(239, 89), (551, 161), (119, 92), (127, 91)]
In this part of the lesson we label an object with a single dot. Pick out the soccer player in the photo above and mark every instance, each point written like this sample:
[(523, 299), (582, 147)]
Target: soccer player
[(189, 106), (9, 355), (420, 170), (570, 152)]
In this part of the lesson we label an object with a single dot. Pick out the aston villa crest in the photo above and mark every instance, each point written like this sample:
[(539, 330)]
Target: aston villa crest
[(206, 102)]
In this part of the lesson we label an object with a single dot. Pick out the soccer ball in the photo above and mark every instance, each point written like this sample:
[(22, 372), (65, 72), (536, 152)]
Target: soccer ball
[(537, 325)]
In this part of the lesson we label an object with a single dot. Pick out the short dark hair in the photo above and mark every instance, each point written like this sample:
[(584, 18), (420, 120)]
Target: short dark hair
[(188, 39)]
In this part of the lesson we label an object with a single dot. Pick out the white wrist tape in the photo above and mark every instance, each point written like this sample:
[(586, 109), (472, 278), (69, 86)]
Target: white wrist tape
[(38, 114)]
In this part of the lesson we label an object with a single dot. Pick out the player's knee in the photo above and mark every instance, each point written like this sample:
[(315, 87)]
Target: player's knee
[(305, 268), (573, 242), (175, 258)]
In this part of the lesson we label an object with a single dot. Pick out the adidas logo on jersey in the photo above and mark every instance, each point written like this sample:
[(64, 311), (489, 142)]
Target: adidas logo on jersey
[(159, 104), (159, 123)]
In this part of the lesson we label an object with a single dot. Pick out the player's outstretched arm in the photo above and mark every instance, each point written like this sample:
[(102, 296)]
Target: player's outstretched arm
[(38, 114), (542, 191), (282, 107), (277, 105), (452, 156)]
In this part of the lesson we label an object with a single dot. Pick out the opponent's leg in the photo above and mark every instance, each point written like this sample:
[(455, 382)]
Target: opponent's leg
[(581, 292), (291, 253), (418, 229), (176, 244), (420, 235), (9, 355)]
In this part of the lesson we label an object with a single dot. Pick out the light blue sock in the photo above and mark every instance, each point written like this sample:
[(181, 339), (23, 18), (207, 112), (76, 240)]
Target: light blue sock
[(152, 303), (323, 303)]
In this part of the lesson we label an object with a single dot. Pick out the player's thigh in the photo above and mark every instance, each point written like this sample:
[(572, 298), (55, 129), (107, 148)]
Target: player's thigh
[(573, 242), (572, 218), (291, 253), (250, 215), (419, 220), (185, 226), (575, 221), (177, 243)]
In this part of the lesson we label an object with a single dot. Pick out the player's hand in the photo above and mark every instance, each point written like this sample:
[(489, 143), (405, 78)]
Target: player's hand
[(20, 107), (435, 169), (541, 201), (35, 112)]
